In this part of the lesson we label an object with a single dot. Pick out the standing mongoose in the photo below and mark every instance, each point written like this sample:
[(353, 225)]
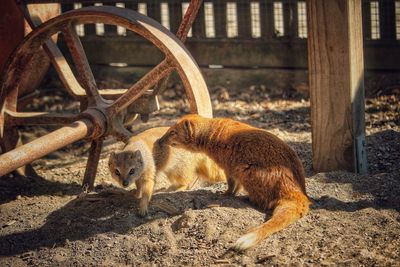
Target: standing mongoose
[(143, 160), (265, 166)]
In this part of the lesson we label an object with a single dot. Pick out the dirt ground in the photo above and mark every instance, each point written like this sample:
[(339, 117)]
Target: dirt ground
[(354, 219)]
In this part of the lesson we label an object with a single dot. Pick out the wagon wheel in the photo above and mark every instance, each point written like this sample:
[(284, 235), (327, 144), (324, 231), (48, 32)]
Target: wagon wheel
[(98, 120)]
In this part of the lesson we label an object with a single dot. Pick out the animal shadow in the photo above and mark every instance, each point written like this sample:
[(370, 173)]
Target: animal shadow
[(109, 211)]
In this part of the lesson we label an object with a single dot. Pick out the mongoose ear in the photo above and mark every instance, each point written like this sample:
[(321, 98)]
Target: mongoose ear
[(112, 155), (133, 154), (188, 127), (136, 154)]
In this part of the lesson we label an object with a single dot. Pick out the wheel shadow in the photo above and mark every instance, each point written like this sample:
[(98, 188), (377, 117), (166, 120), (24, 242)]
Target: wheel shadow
[(12, 187), (109, 211)]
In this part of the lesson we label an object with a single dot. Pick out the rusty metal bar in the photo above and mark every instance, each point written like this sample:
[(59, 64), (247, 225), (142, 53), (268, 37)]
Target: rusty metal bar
[(188, 19), (183, 30), (82, 65), (138, 89), (92, 163), (38, 118), (44, 145)]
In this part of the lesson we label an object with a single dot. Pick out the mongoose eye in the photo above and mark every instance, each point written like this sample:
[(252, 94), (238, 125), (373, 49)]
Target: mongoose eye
[(132, 171), (117, 172)]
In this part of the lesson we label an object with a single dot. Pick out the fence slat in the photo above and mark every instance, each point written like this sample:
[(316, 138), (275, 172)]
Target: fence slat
[(175, 14), (220, 18), (244, 19), (90, 29), (388, 20), (110, 29), (199, 24), (154, 10)]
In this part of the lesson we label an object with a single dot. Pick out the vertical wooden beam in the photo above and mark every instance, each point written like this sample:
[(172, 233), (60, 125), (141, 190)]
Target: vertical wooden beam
[(388, 19), (131, 6), (294, 20), (336, 74), (90, 29), (267, 19), (366, 14), (199, 24), (175, 14), (220, 18), (110, 30), (244, 19), (154, 10), (287, 19)]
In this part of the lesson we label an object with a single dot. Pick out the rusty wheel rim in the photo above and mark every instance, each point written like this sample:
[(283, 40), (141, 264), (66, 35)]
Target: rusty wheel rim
[(176, 58), (100, 113)]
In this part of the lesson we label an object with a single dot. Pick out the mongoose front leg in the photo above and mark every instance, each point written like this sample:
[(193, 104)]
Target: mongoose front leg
[(138, 193), (147, 192)]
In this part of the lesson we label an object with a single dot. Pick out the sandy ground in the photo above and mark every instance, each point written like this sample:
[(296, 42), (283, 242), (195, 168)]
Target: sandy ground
[(354, 219)]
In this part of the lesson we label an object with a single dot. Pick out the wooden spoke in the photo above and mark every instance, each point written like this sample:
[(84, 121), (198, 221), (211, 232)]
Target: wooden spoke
[(83, 69)]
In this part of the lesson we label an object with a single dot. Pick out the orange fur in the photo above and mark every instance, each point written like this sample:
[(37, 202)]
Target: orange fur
[(253, 159)]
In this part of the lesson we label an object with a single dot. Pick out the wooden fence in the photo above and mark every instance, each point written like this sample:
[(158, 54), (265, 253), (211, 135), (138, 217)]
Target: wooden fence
[(241, 34)]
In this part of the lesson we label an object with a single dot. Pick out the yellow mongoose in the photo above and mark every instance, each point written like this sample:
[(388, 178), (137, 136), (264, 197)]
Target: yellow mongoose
[(265, 166), (143, 160)]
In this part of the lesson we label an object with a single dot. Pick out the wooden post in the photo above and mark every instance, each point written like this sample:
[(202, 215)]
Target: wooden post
[(336, 74)]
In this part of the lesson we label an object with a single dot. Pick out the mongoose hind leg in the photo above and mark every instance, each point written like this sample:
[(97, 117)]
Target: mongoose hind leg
[(177, 188), (234, 187)]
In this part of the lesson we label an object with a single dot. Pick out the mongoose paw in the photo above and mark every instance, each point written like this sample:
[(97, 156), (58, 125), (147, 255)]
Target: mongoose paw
[(143, 212), (137, 194), (245, 242)]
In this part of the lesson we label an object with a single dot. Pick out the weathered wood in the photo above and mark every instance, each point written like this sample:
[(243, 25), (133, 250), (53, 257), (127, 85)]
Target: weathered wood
[(227, 52), (154, 10), (336, 74), (244, 19), (220, 18), (175, 14), (110, 30), (11, 29), (366, 12), (199, 24), (388, 20), (206, 52)]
